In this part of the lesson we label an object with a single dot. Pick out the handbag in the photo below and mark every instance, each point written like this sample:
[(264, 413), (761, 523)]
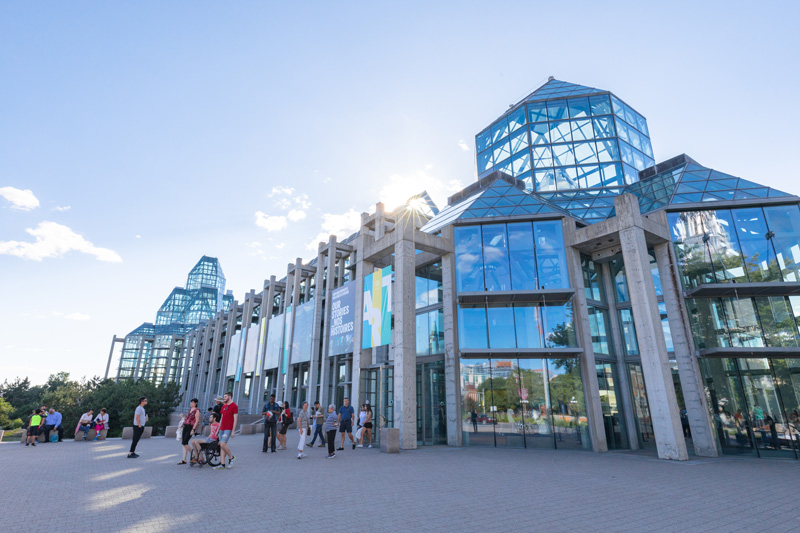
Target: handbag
[(179, 433), (358, 432)]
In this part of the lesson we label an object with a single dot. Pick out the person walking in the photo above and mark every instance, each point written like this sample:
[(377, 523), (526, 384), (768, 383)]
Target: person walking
[(139, 420), (331, 422), (366, 426), (218, 405), (33, 428), (190, 424), (271, 413), (319, 425), (53, 422), (303, 427), (227, 426), (346, 418), (100, 422), (286, 421)]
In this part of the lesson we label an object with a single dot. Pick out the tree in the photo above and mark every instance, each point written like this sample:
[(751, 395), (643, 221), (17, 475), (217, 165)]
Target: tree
[(5, 414)]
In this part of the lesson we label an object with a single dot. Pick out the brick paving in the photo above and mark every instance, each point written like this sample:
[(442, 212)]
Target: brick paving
[(93, 487)]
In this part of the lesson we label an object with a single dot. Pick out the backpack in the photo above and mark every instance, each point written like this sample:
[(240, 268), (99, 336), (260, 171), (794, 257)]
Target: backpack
[(288, 419)]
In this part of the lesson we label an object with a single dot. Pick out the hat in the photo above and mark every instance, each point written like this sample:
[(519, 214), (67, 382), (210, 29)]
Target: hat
[(218, 399)]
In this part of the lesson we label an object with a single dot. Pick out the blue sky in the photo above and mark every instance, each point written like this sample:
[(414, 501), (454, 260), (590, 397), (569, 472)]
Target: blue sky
[(149, 134)]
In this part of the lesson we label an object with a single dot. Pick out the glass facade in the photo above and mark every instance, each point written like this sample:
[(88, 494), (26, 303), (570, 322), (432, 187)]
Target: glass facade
[(554, 143)]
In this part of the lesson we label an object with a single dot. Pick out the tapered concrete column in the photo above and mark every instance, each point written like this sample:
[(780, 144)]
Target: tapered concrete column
[(363, 269), (591, 389), (314, 367), (694, 397), (452, 371), (652, 347), (330, 284), (405, 349)]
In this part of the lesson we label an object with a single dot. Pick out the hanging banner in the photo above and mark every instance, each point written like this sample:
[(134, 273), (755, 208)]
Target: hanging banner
[(251, 350), (377, 325), (342, 319), (233, 354), (272, 353), (262, 333), (287, 337), (303, 334)]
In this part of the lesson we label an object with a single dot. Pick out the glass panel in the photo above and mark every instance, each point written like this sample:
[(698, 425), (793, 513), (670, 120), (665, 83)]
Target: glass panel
[(542, 157), (535, 402), (589, 176), (567, 404), (495, 258), (784, 227), (604, 127), (723, 246), (476, 399), (506, 406), (560, 132), (777, 321), (654, 272), (516, 119), (436, 331), (612, 174), (472, 328), (501, 327), (592, 280), (598, 320), (499, 130), (641, 408), (501, 151), (423, 347), (787, 374), (584, 153), (528, 326), (566, 178), (559, 330), (742, 322), (579, 107), (582, 130), (727, 405), (551, 259), (521, 163), (628, 332), (421, 291), (540, 133), (600, 105), (620, 282), (769, 425), (557, 109), (688, 235), (537, 112), (522, 256), (708, 323), (613, 422), (662, 310), (545, 180), (469, 263), (484, 161), (483, 140), (519, 141), (758, 252)]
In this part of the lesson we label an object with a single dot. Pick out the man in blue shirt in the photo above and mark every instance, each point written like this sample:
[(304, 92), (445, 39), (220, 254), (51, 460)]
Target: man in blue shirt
[(53, 421), (271, 413), (346, 418)]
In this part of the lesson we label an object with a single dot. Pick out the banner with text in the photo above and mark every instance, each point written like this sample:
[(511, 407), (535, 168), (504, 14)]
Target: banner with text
[(342, 319)]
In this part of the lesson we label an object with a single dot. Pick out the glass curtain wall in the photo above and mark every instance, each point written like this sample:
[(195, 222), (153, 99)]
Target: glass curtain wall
[(523, 403)]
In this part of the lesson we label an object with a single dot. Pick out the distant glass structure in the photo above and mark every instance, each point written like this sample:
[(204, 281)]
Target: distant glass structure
[(152, 351), (563, 137)]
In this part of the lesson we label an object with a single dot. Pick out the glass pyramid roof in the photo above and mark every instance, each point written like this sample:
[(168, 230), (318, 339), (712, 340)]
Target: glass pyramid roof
[(680, 180), (560, 89)]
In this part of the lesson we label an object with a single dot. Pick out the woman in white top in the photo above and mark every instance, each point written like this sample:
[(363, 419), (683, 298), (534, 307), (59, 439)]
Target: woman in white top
[(101, 422), (365, 421)]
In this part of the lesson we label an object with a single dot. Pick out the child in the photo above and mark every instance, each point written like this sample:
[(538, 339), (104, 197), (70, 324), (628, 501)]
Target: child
[(33, 427), (212, 437)]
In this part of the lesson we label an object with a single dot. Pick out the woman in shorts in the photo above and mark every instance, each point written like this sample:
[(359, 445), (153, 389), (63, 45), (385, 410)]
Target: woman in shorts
[(200, 444), (286, 421), (189, 428)]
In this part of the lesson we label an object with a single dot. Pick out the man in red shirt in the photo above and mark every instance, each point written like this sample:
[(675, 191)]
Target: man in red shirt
[(227, 427)]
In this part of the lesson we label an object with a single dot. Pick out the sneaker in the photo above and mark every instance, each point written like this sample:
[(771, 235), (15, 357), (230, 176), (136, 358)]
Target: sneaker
[(370, 446), (218, 467), (299, 455), (331, 456), (303, 455), (132, 456), (354, 445), (321, 445), (33, 444), (359, 445), (27, 444), (230, 462), (310, 445), (339, 448)]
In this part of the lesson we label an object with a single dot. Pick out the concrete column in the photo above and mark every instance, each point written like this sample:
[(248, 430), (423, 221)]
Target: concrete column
[(110, 355), (283, 380), (622, 368), (320, 304), (705, 445), (652, 347), (363, 269), (330, 284), (452, 371), (139, 362), (404, 340), (591, 389)]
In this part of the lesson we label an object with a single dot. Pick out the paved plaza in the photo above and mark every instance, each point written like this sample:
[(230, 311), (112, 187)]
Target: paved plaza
[(94, 487)]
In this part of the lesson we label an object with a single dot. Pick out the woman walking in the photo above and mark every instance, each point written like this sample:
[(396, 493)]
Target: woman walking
[(365, 419), (286, 421), (330, 429), (189, 428)]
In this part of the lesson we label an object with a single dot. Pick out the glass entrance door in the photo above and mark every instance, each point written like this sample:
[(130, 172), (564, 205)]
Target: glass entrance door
[(431, 407)]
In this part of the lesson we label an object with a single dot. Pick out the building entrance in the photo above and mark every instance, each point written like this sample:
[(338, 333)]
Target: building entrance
[(431, 407)]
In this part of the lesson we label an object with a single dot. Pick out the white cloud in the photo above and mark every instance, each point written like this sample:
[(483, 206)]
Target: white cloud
[(296, 214), (399, 188), (283, 203), (77, 316), (22, 199), (55, 240), (62, 208), (253, 244), (281, 190), (463, 145), (138, 236), (270, 223), (302, 201), (280, 246), (342, 225)]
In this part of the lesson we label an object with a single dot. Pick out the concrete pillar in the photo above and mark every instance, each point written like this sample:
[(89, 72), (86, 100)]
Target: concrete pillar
[(363, 269), (404, 340), (110, 355), (703, 440), (320, 304), (622, 368), (452, 371), (330, 284), (652, 347), (282, 378), (591, 389)]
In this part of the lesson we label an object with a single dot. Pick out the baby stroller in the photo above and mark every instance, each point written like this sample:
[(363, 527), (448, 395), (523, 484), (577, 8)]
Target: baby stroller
[(209, 454)]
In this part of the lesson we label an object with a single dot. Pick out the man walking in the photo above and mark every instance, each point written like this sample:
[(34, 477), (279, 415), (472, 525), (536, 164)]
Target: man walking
[(303, 426), (271, 413), (346, 417), (319, 422), (227, 427), (139, 420), (53, 422)]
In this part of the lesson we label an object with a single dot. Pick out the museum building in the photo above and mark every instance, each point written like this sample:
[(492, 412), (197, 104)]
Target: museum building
[(576, 296)]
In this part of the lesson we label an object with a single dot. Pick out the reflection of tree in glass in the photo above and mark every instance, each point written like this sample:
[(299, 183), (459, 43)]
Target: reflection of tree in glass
[(562, 336)]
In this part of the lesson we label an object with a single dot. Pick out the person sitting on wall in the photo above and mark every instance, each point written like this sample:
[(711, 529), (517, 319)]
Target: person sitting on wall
[(53, 422), (85, 424), (101, 422)]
